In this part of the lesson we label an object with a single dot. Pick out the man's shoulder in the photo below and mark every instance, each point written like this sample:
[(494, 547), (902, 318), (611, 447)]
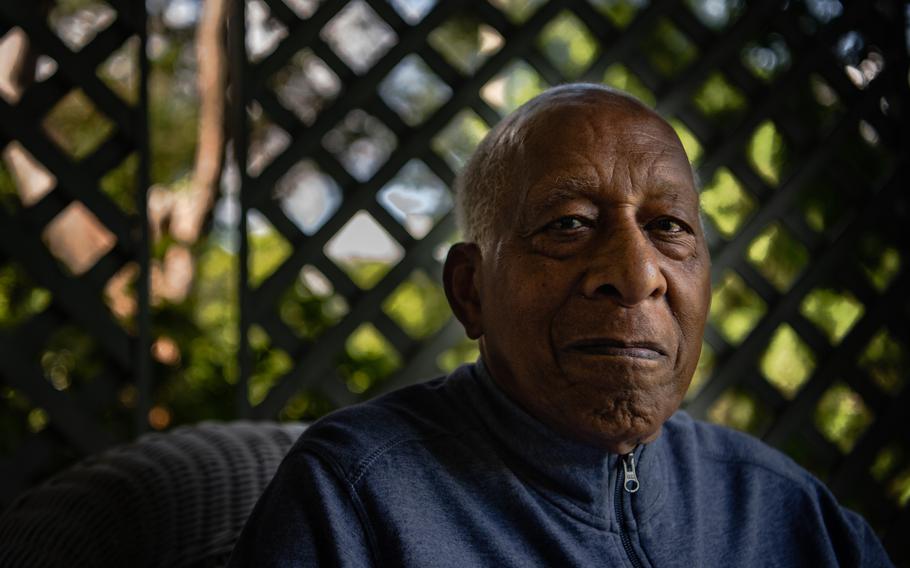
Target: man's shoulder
[(352, 438), (712, 443)]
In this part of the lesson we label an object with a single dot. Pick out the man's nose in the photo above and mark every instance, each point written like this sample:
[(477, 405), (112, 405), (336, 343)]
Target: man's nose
[(624, 266)]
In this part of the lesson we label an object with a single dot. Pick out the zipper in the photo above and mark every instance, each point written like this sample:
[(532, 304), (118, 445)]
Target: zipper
[(629, 483)]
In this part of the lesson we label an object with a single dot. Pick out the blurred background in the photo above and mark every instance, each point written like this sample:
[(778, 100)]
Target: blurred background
[(223, 209)]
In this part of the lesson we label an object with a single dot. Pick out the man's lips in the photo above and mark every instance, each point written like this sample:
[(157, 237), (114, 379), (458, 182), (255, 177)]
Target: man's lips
[(618, 348)]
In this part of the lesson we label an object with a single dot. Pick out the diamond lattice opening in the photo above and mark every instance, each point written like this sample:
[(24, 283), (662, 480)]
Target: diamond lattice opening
[(416, 198), (361, 142), (886, 362), (620, 77), (767, 152), (788, 362), (413, 91), (668, 49), (305, 85), (834, 311), (465, 42), (22, 164), (120, 183), (303, 8), (120, 71), (76, 125), (879, 260), (778, 256), (620, 12), (358, 35), (418, 306), (457, 140), (740, 409), (20, 297), (518, 11), (842, 416), (267, 140), (412, 11), (726, 203), (720, 101), (263, 32), (568, 44), (735, 308), (690, 143), (77, 238), (268, 248), (77, 22), (308, 196), (368, 359), (311, 306), (364, 250), (515, 85)]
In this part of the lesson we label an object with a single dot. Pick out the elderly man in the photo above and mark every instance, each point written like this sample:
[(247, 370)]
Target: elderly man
[(585, 278)]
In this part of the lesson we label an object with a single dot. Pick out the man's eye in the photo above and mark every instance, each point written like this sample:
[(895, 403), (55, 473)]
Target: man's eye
[(567, 223), (668, 225)]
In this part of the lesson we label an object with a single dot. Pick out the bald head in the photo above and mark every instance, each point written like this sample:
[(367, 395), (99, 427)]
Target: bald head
[(484, 187)]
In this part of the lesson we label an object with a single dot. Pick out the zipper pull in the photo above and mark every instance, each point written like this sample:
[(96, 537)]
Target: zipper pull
[(630, 483)]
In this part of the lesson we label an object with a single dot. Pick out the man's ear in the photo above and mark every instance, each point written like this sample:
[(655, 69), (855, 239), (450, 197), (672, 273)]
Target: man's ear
[(460, 278)]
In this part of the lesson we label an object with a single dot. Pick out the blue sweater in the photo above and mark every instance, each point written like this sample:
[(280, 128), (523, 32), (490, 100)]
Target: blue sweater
[(453, 473)]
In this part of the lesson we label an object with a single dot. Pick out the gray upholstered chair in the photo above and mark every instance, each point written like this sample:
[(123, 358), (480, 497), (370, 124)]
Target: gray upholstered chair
[(169, 499)]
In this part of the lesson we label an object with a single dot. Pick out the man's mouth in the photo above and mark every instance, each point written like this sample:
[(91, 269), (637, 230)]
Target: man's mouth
[(619, 348)]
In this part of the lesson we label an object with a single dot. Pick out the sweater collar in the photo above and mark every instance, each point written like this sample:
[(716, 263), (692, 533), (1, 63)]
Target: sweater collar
[(579, 477)]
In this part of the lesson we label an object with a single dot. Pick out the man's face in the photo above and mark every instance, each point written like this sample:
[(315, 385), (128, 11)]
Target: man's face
[(594, 292)]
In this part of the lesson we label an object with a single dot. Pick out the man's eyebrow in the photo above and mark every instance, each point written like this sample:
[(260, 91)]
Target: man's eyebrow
[(549, 193)]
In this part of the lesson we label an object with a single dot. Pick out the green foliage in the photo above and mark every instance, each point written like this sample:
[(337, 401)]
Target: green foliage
[(833, 311), (690, 143), (620, 12), (518, 10), (842, 417), (457, 140), (879, 260), (618, 76), (718, 100), (767, 152), (76, 125), (15, 419), (702, 371), (886, 362), (726, 203), (778, 256), (269, 365), (465, 351), (465, 41), (368, 358), (120, 184), (739, 409), (268, 249), (735, 308), (418, 305), (512, 87), (20, 298), (787, 362), (568, 44), (668, 49), (310, 308)]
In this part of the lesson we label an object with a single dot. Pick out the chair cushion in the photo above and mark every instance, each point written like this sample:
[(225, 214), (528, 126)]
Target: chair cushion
[(168, 499)]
